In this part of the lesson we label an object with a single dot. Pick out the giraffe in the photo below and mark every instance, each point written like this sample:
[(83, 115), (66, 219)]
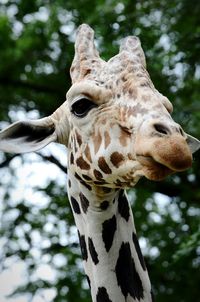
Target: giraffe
[(117, 128)]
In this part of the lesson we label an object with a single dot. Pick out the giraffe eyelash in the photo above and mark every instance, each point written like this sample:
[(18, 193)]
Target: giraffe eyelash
[(81, 107)]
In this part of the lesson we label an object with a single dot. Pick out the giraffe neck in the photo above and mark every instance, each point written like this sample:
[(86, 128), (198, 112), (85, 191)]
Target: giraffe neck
[(112, 258)]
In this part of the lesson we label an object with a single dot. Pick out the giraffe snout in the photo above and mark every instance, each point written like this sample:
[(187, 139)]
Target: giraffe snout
[(162, 147)]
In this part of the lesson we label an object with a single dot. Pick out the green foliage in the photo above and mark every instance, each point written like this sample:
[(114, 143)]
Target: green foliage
[(36, 39)]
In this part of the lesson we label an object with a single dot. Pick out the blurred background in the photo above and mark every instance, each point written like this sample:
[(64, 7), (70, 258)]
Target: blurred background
[(39, 252)]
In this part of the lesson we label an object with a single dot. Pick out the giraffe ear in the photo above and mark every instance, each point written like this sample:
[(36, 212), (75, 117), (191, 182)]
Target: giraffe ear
[(27, 136), (193, 143)]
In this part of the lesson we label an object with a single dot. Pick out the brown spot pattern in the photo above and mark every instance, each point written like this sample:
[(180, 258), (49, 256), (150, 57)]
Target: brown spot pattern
[(107, 139), (98, 175), (97, 139), (86, 177), (71, 158), (78, 139), (132, 91), (103, 165), (84, 202), (104, 205), (100, 183), (83, 182), (137, 109), (82, 163), (116, 159), (88, 154)]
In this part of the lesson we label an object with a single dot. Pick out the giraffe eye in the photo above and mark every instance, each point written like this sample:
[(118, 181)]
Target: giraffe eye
[(82, 107)]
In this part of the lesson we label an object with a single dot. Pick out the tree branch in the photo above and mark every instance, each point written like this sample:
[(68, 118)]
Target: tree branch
[(30, 85), (6, 162), (53, 160), (50, 158)]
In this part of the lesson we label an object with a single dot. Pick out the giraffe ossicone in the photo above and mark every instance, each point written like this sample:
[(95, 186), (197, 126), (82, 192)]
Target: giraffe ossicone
[(117, 128)]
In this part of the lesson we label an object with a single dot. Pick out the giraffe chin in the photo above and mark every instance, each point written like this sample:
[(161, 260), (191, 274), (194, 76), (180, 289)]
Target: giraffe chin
[(153, 170)]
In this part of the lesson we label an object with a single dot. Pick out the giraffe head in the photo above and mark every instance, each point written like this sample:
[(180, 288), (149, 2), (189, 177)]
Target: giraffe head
[(116, 125)]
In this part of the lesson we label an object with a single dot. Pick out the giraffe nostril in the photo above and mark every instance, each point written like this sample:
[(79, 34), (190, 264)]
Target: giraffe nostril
[(181, 131), (161, 128)]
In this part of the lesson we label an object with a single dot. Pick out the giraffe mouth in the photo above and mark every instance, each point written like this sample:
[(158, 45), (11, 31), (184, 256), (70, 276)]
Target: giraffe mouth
[(153, 169)]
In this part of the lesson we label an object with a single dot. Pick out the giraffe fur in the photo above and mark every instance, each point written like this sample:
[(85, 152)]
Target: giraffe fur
[(118, 128)]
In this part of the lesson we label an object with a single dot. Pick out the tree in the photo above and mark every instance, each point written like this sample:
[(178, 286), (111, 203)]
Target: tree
[(36, 39)]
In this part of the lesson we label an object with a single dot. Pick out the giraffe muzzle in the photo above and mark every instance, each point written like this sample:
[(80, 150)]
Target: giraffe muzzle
[(162, 156)]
